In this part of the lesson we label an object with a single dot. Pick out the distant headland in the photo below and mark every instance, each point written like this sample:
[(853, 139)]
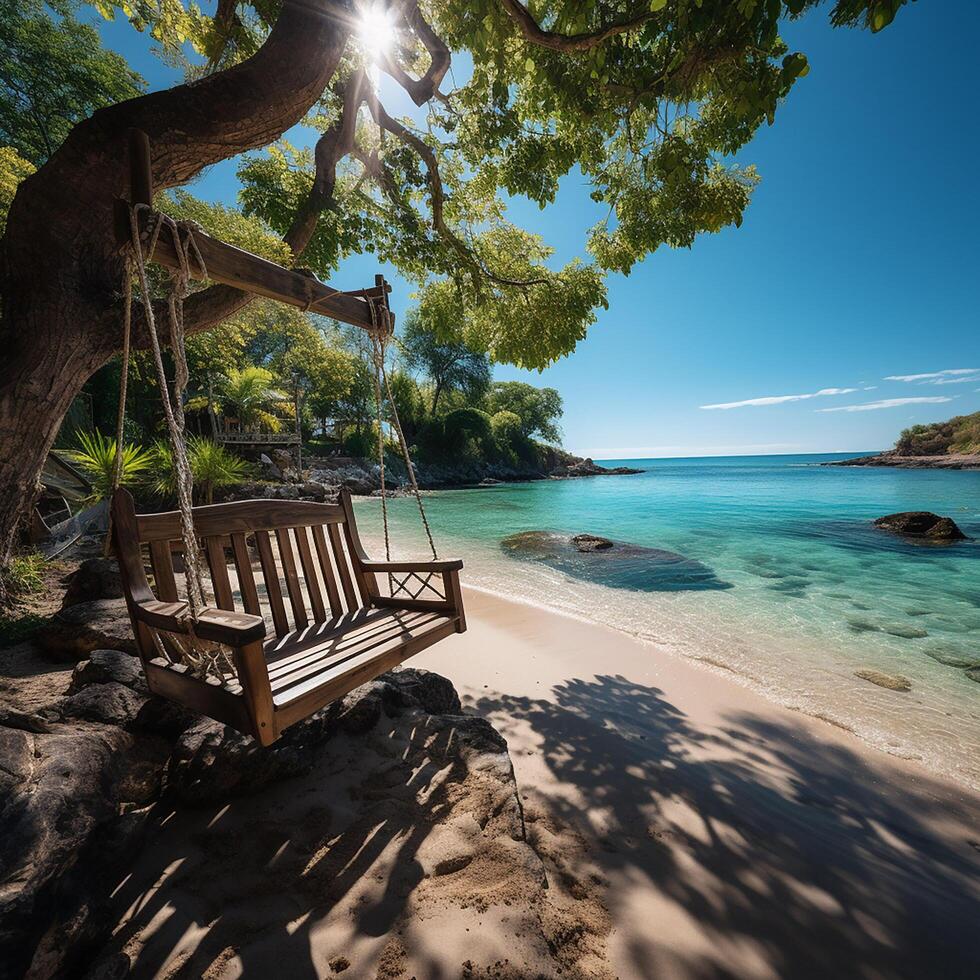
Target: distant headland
[(950, 445)]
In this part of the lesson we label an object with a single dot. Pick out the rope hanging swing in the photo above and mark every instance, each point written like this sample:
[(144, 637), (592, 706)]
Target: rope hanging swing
[(207, 658)]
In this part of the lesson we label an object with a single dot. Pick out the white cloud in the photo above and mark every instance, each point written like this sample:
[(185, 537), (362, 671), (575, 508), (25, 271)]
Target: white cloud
[(886, 403), (779, 399), (932, 377)]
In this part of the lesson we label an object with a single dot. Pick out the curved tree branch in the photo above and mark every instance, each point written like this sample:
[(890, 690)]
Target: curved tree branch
[(534, 33), (437, 197), (425, 88)]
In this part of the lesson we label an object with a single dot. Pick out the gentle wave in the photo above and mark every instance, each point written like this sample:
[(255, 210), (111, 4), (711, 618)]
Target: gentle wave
[(815, 592)]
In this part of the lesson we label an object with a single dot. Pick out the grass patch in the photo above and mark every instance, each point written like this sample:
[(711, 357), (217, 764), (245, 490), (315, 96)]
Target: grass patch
[(17, 629)]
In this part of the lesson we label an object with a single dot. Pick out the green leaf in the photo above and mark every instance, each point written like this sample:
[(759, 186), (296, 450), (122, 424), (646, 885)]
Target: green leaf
[(656, 5)]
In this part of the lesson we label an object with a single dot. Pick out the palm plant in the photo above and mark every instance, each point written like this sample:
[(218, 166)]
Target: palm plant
[(96, 455), (212, 466), (249, 395)]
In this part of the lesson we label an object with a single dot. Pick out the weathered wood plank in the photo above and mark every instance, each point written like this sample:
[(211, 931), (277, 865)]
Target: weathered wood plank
[(163, 571), (326, 566), (239, 515), (340, 556), (272, 588), (235, 267), (220, 582), (292, 579), (309, 574), (246, 578)]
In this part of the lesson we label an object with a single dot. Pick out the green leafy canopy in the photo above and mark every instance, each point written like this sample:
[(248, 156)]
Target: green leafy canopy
[(648, 101)]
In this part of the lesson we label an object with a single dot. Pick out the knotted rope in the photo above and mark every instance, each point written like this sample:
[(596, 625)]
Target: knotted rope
[(203, 656)]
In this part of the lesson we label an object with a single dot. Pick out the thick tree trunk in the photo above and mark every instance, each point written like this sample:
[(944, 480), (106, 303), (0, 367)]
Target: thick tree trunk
[(60, 266)]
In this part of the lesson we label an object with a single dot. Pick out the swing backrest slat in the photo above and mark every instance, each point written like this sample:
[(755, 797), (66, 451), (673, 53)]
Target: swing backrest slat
[(310, 580), (163, 571), (326, 570), (290, 561), (245, 575), (296, 599)]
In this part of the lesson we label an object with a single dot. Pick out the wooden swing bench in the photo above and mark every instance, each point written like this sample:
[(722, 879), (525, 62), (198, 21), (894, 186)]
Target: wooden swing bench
[(341, 629)]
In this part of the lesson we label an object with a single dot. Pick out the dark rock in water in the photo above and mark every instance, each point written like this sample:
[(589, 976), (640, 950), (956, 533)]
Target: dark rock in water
[(922, 524), (952, 657), (973, 673), (73, 633), (893, 682), (908, 632), (95, 578), (591, 542), (586, 467), (622, 566)]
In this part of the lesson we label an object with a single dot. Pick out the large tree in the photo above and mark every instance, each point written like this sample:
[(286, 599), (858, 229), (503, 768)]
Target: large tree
[(649, 99)]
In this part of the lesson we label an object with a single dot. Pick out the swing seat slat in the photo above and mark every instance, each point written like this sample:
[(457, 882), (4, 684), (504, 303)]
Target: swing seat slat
[(272, 563)]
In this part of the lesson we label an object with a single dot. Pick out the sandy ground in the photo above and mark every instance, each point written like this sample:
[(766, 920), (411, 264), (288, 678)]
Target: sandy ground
[(686, 827), (736, 838)]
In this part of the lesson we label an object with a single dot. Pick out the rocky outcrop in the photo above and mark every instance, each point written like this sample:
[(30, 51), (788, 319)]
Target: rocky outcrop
[(74, 632), (586, 467), (76, 788), (952, 461), (921, 524), (95, 578)]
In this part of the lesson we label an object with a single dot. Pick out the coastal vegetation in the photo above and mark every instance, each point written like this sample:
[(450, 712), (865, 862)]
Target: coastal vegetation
[(648, 102), (958, 435)]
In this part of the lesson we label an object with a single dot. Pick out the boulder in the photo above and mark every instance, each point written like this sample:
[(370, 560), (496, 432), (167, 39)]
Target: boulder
[(212, 763), (95, 578), (893, 682), (73, 633), (57, 791), (104, 666), (921, 524), (591, 542), (110, 703), (616, 564)]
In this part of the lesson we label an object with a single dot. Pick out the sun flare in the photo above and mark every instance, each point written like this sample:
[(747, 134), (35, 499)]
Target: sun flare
[(376, 29)]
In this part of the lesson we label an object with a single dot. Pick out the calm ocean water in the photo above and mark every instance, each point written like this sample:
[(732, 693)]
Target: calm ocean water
[(783, 580)]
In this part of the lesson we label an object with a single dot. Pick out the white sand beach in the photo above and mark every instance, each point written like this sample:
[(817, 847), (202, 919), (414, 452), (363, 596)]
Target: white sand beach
[(686, 827)]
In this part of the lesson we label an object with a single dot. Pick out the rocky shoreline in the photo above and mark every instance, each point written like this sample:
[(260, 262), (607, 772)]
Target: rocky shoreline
[(958, 461), (322, 477), (101, 781)]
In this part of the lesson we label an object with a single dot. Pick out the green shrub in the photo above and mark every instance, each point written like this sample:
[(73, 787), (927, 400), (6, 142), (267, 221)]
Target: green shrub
[(24, 575), (96, 455), (363, 443), (212, 466), (466, 431)]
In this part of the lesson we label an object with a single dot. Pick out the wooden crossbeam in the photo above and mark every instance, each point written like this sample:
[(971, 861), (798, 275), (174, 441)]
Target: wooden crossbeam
[(244, 270)]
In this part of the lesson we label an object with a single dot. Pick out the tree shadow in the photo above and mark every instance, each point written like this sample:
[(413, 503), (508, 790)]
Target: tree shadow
[(787, 852), (254, 878)]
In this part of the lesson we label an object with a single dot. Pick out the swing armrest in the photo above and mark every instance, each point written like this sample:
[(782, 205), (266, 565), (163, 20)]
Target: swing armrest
[(442, 565), (221, 625)]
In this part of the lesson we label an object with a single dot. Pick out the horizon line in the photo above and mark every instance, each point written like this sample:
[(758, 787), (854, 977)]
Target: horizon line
[(662, 452)]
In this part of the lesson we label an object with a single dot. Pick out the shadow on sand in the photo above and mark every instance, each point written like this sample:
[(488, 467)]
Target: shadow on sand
[(784, 851)]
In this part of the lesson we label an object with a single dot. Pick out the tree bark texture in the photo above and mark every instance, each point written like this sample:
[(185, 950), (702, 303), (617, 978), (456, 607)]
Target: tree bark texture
[(60, 267)]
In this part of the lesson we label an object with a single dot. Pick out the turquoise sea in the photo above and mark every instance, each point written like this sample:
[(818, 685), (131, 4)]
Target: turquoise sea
[(775, 575)]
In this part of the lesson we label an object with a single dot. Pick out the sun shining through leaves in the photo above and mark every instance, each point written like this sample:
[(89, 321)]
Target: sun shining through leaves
[(375, 30)]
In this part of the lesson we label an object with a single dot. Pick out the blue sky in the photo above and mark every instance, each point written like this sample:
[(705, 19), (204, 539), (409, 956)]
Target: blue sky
[(835, 316)]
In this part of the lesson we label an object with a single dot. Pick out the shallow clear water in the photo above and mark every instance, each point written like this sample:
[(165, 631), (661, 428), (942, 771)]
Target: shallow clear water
[(792, 589)]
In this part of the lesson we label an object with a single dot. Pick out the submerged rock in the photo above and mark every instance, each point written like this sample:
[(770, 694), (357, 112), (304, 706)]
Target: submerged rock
[(591, 542), (620, 565), (894, 682), (952, 657), (922, 524)]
